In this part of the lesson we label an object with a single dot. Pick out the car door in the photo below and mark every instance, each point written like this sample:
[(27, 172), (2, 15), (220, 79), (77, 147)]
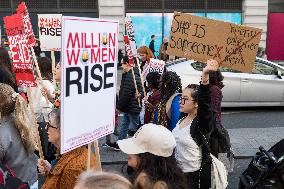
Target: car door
[(262, 86), (232, 90)]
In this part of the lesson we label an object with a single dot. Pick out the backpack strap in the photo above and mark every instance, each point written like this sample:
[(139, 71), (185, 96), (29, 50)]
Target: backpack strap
[(169, 104)]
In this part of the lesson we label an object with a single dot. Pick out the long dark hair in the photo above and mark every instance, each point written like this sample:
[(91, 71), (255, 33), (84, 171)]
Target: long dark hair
[(162, 169), (171, 84), (45, 67), (6, 67), (216, 78)]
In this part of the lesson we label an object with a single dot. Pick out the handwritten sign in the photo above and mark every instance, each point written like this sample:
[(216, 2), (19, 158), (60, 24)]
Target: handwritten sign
[(89, 65), (198, 38), (130, 33), (49, 27), (22, 9), (19, 46)]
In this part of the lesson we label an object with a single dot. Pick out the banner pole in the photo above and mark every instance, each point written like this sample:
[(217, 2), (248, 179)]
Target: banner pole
[(140, 74), (38, 72), (53, 66), (89, 156), (98, 156), (41, 156), (135, 84)]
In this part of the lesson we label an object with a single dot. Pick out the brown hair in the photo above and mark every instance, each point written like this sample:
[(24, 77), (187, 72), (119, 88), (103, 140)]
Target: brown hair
[(45, 67), (147, 51), (103, 180), (10, 102)]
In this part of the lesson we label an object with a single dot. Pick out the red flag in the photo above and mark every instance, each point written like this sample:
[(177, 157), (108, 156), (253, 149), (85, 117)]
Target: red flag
[(128, 50), (19, 46)]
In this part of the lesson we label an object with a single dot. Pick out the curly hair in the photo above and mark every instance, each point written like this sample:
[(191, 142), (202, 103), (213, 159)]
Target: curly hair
[(171, 84), (147, 51), (10, 102), (45, 67), (153, 78), (162, 169)]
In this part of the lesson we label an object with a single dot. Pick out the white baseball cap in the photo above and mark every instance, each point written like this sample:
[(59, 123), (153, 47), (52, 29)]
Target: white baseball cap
[(151, 138)]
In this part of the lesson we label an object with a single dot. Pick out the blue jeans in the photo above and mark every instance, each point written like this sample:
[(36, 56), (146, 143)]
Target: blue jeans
[(128, 122)]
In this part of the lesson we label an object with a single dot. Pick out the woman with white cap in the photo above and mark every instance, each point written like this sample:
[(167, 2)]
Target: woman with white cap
[(150, 155)]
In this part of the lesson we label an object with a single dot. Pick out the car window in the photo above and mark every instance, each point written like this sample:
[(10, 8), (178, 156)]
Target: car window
[(264, 69), (198, 66)]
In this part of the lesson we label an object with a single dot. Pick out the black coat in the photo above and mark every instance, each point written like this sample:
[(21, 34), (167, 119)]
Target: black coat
[(204, 123), (152, 46), (127, 102)]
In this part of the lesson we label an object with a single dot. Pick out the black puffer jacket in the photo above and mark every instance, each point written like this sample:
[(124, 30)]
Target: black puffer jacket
[(126, 101)]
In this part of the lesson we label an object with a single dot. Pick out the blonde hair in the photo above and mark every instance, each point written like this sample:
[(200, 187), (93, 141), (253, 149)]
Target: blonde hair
[(11, 102), (102, 180), (147, 51)]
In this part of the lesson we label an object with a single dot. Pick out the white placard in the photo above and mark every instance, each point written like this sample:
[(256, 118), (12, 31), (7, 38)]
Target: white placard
[(157, 65), (88, 83), (49, 29)]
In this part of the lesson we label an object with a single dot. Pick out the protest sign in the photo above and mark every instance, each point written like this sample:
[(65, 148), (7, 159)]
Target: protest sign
[(88, 87), (19, 46), (130, 33), (128, 50), (22, 9), (49, 27), (157, 65), (234, 46)]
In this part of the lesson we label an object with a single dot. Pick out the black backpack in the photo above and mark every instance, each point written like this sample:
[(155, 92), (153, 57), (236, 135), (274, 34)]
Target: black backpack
[(8, 179)]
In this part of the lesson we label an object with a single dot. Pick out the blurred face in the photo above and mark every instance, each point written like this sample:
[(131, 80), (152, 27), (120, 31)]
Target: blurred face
[(53, 131), (186, 102), (133, 161), (125, 66), (143, 56), (57, 73)]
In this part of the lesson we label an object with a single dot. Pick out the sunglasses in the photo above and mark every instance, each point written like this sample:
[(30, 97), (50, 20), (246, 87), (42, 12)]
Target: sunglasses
[(50, 126)]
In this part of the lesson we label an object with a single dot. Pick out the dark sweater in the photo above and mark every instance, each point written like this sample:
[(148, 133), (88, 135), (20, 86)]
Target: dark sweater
[(152, 46), (127, 102)]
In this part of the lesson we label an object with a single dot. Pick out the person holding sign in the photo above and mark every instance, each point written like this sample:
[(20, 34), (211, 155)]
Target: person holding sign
[(17, 133), (145, 54), (68, 166), (191, 133), (128, 101)]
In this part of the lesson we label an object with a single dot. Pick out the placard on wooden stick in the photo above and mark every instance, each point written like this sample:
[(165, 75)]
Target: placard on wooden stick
[(198, 38)]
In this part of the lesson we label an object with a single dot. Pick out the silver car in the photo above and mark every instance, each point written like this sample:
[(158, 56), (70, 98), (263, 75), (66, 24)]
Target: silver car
[(264, 87)]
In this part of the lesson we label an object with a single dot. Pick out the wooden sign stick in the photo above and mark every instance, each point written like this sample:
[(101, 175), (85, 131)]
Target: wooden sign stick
[(135, 84), (41, 156), (140, 74), (94, 163), (38, 72), (52, 56)]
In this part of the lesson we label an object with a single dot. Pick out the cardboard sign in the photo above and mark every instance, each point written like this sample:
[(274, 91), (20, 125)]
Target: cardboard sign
[(130, 33), (128, 50), (22, 9), (198, 38), (49, 27), (19, 46), (157, 65), (88, 87)]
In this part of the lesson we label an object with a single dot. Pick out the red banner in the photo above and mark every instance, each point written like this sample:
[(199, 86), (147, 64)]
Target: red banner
[(19, 46), (128, 50), (22, 9)]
